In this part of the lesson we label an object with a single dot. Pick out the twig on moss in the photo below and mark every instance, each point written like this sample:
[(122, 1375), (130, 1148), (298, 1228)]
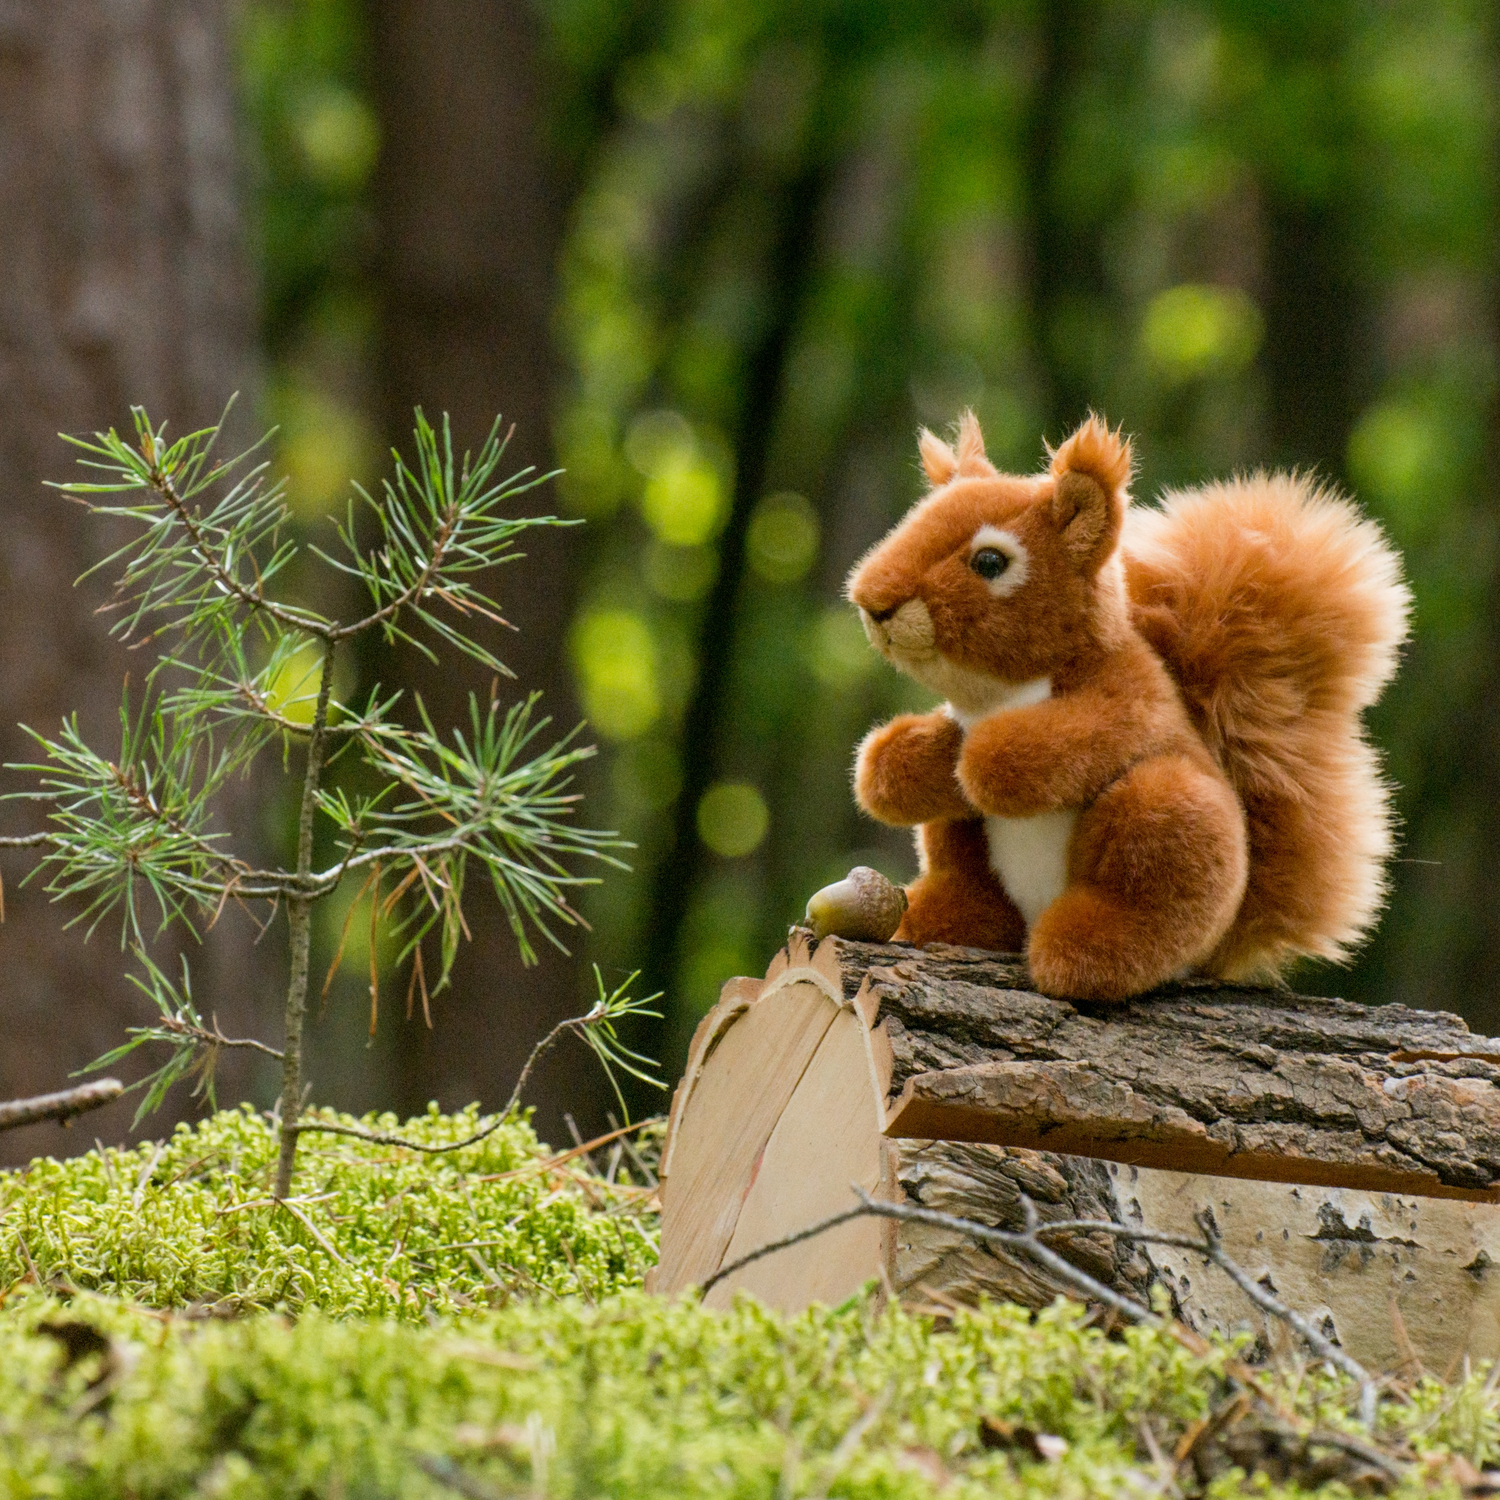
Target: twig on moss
[(445, 1472), (552, 1163), (312, 1229), (1028, 1242), (784, 1243), (596, 1027), (61, 1106)]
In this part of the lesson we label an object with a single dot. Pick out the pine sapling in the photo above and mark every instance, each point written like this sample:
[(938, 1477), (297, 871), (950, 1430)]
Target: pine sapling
[(241, 670)]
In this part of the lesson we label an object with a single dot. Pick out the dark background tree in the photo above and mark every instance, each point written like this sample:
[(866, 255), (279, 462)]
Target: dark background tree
[(469, 215), (126, 280)]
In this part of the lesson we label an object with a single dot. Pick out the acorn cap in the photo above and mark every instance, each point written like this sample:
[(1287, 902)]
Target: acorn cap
[(864, 905)]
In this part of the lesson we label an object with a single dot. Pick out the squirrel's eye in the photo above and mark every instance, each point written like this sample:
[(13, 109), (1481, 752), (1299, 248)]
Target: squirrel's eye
[(989, 562)]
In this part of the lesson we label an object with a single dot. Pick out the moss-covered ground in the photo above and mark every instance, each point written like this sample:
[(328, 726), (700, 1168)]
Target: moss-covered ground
[(472, 1324)]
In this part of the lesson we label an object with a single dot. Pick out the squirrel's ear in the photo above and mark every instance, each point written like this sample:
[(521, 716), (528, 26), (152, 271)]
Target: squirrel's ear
[(971, 459), (938, 459), (1092, 474)]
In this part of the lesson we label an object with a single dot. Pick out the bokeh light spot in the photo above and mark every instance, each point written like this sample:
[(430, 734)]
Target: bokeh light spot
[(1396, 458), (1191, 331), (681, 574), (615, 660), (837, 653), (684, 505), (733, 818), (782, 541), (339, 137), (292, 689)]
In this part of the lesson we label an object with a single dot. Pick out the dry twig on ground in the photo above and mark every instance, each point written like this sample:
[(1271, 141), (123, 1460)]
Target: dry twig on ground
[(1029, 1242)]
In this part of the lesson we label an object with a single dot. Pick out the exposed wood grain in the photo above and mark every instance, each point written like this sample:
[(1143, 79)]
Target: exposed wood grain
[(758, 1060), (824, 1140)]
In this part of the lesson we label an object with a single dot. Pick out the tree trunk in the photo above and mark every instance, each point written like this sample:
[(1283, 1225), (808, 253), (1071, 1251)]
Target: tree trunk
[(125, 282), (939, 1077), (470, 220), (1064, 245)]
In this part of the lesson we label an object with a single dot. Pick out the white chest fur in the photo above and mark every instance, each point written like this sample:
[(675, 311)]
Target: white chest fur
[(1030, 855)]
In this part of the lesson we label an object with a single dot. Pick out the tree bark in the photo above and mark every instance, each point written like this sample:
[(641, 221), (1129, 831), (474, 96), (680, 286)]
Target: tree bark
[(125, 282), (470, 215), (1236, 1080), (1243, 1082)]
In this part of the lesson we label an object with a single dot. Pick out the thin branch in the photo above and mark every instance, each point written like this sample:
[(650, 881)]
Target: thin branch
[(293, 619), (26, 840), (216, 1038), (1210, 1246), (1028, 1242), (262, 709), (579, 1024), (61, 1106), (784, 1243), (413, 590), (142, 799), (1214, 1250), (574, 1023)]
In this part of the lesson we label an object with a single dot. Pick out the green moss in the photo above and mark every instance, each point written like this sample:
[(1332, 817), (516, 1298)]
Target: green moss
[(378, 1231), (388, 1364), (632, 1398), (635, 1398)]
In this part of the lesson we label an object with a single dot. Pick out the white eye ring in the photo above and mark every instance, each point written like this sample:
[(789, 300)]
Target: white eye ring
[(1010, 546)]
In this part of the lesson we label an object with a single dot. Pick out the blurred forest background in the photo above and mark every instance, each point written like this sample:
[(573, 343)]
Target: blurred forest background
[(718, 261)]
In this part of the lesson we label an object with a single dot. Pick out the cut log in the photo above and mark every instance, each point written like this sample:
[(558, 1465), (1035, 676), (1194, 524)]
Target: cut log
[(938, 1076)]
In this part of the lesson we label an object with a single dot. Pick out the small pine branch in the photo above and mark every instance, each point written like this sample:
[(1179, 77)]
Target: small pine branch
[(481, 800), (240, 669)]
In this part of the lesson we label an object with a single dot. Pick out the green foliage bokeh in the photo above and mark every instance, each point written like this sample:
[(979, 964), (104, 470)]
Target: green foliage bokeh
[(1253, 235)]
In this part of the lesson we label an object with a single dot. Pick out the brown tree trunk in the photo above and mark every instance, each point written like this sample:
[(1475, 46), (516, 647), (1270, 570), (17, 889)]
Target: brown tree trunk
[(1063, 250), (470, 219), (1465, 973), (124, 282)]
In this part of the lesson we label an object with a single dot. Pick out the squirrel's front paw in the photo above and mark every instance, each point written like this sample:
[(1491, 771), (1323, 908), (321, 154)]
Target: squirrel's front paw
[(904, 770), (999, 776)]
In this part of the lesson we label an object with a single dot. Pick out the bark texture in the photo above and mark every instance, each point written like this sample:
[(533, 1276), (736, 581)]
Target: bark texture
[(1233, 1080), (124, 282), (470, 209), (987, 1183)]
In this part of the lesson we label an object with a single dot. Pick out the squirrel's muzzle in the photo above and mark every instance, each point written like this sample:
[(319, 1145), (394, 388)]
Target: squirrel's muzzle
[(907, 629)]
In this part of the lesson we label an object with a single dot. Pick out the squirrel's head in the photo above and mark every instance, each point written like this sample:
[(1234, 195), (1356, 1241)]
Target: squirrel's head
[(993, 580)]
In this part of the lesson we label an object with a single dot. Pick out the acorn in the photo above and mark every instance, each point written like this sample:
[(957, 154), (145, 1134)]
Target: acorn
[(864, 905)]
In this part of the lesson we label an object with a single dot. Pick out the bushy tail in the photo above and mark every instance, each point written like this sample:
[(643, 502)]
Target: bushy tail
[(1280, 611)]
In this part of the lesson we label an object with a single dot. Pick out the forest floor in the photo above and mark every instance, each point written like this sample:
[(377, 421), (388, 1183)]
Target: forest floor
[(473, 1324)]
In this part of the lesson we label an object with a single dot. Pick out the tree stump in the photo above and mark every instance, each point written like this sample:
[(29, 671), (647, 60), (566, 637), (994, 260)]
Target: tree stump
[(1324, 1136)]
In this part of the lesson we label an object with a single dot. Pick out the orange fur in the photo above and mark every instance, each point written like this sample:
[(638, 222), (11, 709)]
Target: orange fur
[(1280, 612), (957, 897), (1207, 804)]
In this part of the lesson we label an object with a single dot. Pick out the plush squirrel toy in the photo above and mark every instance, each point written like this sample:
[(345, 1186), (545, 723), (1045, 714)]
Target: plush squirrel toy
[(1150, 762)]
